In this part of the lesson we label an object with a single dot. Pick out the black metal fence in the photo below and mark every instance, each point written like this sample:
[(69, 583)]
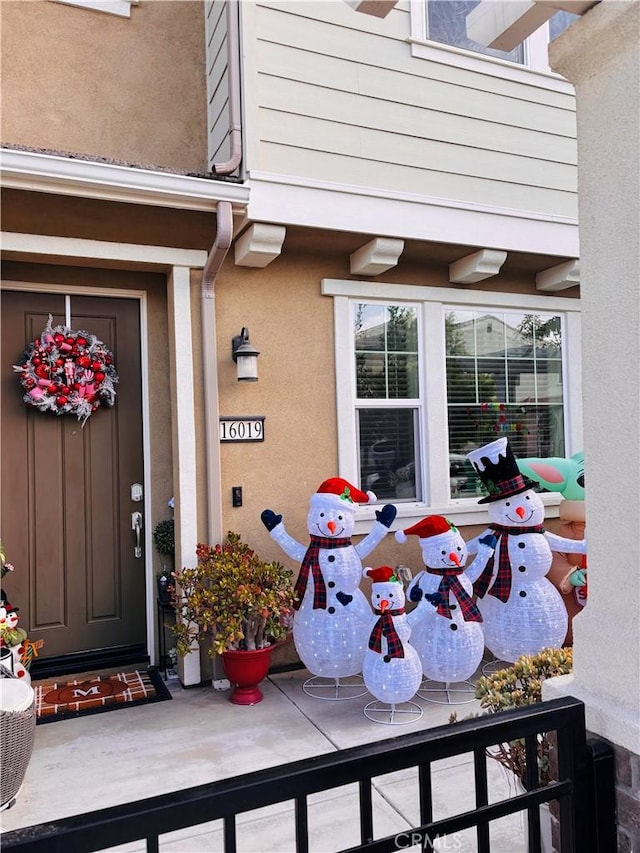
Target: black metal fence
[(584, 791)]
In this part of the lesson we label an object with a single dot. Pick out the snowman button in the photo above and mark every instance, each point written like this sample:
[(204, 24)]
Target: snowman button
[(331, 609), (523, 594), (453, 627), (331, 584), (331, 558), (386, 658), (520, 569), (520, 545), (452, 606)]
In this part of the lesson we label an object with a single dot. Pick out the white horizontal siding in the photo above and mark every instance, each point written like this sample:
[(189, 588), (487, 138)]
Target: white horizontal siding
[(399, 178), (336, 95)]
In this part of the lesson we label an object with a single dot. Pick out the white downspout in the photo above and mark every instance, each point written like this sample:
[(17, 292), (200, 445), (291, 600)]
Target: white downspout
[(233, 71), (221, 245)]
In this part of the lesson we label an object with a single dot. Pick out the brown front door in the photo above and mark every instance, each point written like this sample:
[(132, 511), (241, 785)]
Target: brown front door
[(66, 488)]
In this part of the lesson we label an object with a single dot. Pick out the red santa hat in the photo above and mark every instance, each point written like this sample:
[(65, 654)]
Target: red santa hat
[(338, 492), (383, 574), (432, 525)]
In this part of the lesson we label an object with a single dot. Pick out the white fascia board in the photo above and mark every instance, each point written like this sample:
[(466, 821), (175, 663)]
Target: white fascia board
[(16, 246), (50, 173), (340, 207)]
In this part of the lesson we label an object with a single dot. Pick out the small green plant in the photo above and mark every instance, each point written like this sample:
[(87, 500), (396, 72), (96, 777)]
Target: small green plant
[(515, 687), (164, 537), (233, 596)]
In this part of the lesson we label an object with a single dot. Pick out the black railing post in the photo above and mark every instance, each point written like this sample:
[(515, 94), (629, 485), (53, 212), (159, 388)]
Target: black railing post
[(482, 797), (366, 812), (602, 795), (572, 764)]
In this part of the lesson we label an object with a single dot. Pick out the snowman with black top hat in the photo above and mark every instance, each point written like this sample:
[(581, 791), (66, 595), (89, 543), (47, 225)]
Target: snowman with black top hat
[(447, 633), (523, 612), (327, 633)]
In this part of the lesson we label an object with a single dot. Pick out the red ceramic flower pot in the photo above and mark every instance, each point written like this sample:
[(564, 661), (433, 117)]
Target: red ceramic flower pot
[(245, 670)]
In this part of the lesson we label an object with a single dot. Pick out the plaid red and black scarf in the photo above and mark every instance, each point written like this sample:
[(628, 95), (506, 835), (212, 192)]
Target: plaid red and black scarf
[(311, 561), (384, 627), (450, 582), (501, 588)]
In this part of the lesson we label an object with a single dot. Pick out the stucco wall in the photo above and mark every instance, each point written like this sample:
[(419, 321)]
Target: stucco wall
[(56, 59), (599, 53), (292, 326)]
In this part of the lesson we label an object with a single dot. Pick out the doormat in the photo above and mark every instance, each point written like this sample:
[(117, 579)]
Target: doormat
[(64, 699)]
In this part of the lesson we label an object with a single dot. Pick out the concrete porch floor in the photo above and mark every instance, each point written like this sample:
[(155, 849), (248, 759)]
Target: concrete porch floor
[(199, 736)]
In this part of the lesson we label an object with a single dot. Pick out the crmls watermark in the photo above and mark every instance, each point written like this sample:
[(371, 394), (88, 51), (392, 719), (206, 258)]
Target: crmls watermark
[(438, 843)]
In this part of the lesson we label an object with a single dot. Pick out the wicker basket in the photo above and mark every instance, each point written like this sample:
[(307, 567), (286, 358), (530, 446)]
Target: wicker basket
[(17, 733)]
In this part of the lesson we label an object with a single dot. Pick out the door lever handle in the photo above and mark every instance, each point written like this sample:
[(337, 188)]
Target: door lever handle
[(136, 526)]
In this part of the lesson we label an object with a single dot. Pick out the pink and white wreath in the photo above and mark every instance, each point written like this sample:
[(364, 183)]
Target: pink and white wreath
[(67, 372)]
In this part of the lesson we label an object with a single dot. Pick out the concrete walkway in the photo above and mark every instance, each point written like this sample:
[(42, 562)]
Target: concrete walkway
[(199, 736)]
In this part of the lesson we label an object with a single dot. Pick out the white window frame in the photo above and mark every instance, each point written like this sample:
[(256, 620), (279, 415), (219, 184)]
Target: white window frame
[(535, 71), (433, 303), (121, 8)]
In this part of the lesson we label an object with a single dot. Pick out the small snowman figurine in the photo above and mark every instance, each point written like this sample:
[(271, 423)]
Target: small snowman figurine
[(392, 671), (447, 633), (12, 640), (523, 612), (328, 635)]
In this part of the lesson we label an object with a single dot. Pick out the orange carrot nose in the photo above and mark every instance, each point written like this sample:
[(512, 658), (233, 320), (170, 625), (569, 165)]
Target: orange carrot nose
[(384, 604), (332, 526), (454, 558), (520, 510)]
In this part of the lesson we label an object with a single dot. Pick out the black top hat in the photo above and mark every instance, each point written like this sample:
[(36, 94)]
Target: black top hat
[(497, 468)]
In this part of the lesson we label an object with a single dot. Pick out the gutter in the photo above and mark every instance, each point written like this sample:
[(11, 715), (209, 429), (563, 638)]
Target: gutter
[(233, 71), (217, 254)]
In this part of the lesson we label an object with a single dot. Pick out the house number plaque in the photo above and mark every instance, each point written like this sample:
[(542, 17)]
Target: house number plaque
[(242, 429)]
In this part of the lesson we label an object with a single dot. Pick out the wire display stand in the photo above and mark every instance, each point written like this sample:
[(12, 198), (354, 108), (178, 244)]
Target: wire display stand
[(491, 666), (392, 714), (335, 689), (447, 693)]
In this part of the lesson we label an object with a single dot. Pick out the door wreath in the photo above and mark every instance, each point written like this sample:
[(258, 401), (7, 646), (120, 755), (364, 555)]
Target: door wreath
[(67, 372)]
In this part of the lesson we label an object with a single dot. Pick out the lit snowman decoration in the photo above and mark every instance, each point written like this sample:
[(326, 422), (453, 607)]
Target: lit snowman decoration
[(447, 632), (522, 610), (328, 635), (392, 670)]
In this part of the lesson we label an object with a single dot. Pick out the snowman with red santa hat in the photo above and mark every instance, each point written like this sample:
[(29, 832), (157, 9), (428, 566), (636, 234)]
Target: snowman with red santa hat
[(327, 633), (392, 671), (447, 632), (523, 612)]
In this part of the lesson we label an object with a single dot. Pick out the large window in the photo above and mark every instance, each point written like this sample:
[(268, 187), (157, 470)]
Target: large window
[(424, 381), (504, 377)]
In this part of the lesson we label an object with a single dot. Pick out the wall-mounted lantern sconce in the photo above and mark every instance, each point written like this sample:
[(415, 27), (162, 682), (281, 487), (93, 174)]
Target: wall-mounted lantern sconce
[(245, 356)]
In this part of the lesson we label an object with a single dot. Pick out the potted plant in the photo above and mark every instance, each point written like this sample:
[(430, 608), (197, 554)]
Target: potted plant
[(242, 603), (164, 541), (514, 687)]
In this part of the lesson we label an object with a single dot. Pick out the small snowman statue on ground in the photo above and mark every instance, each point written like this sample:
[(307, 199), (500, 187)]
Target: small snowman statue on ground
[(523, 612), (392, 671), (447, 634), (328, 636), (12, 642)]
